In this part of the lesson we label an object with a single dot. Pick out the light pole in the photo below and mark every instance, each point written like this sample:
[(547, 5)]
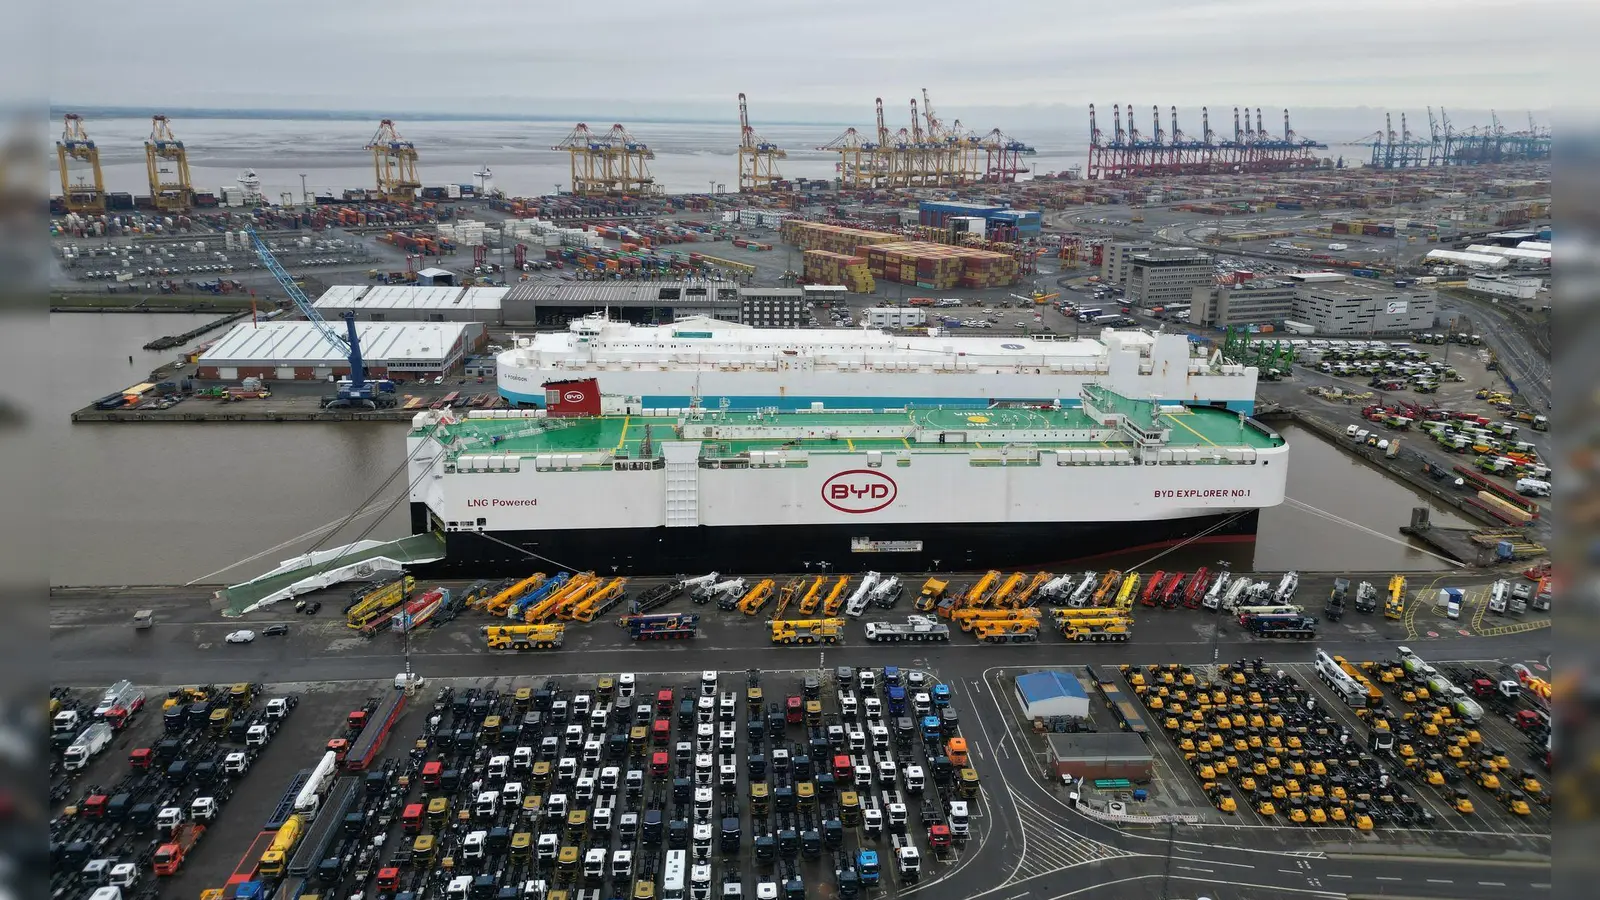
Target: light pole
[(305, 198)]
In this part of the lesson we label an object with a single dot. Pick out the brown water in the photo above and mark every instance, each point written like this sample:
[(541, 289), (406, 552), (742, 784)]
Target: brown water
[(165, 504)]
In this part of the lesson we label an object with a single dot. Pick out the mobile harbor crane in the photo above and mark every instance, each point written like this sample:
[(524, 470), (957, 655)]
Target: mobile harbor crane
[(357, 391)]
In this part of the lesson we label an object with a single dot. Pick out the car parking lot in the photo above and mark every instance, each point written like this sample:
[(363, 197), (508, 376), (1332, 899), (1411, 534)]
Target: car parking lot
[(782, 783)]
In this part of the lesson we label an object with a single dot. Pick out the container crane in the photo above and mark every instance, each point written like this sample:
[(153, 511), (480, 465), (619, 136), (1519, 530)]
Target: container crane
[(394, 161), (612, 164), (850, 148), (168, 165), (358, 392), (758, 170), (88, 193)]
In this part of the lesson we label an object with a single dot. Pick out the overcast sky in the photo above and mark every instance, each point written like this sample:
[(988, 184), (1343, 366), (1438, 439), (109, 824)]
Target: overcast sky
[(816, 60)]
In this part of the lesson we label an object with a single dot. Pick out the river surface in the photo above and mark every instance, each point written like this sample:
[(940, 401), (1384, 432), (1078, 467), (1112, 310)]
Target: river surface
[(170, 504)]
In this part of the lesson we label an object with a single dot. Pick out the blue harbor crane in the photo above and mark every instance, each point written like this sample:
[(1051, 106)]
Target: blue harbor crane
[(356, 392)]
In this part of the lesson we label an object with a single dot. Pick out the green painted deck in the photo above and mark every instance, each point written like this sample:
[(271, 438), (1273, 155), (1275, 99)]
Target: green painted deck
[(624, 434)]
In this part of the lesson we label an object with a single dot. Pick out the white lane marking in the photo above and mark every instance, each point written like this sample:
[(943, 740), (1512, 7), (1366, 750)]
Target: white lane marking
[(1194, 869), (1385, 878), (1493, 883), (1440, 881)]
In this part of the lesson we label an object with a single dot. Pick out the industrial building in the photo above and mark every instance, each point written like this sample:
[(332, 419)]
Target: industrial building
[(298, 351), (1509, 287), (825, 294), (770, 307), (1466, 260), (1022, 223), (1115, 257), (412, 303), (896, 317), (1363, 307), (1519, 257), (1255, 302), (555, 303), (1168, 275), (1095, 755), (1051, 693)]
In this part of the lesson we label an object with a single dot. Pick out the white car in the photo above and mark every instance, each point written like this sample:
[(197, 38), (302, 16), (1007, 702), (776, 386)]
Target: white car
[(240, 637)]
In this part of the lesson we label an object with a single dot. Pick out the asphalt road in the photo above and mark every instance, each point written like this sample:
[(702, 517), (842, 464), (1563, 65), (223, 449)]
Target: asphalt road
[(1520, 357), (1028, 843)]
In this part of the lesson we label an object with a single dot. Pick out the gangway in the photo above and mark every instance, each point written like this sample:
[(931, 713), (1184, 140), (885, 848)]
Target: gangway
[(361, 561)]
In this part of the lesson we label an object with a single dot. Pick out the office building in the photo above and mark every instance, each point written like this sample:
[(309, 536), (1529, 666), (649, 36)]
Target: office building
[(774, 307), (1363, 307), (1256, 302), (1115, 257), (1169, 275)]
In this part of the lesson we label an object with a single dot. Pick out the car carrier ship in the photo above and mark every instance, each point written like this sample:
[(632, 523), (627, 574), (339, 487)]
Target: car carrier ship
[(712, 362), (591, 482)]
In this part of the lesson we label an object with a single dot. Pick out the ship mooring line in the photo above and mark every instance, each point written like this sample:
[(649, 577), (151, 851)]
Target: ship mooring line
[(1357, 526)]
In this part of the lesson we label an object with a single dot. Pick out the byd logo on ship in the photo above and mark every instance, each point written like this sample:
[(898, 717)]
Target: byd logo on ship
[(573, 396), (859, 491)]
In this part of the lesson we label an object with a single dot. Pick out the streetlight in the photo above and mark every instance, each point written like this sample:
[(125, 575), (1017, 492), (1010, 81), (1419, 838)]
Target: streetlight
[(305, 199)]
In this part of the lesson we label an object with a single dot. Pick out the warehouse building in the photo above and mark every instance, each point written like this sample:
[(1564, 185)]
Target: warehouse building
[(1255, 302), (1363, 307), (774, 307), (414, 303), (1116, 256), (1051, 693), (1465, 260), (1518, 257), (298, 351), (1507, 286), (1168, 275), (555, 303), (1092, 756)]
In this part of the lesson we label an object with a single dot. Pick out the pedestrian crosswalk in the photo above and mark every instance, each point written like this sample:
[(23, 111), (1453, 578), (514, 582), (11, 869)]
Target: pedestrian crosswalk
[(1049, 845)]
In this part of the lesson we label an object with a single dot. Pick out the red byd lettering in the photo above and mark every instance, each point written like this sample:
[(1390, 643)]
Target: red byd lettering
[(859, 491)]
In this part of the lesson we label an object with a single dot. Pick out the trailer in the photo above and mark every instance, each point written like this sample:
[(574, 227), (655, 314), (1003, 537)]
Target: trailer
[(914, 628), (370, 741), (1285, 627), (658, 596), (313, 847), (669, 626)]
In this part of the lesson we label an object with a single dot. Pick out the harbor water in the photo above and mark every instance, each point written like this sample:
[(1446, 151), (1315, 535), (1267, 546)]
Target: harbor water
[(171, 504)]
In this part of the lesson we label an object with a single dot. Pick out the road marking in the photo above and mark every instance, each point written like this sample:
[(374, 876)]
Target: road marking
[(1194, 869), (1188, 850), (1384, 878), (1493, 883), (1015, 896), (1338, 876), (1438, 881)]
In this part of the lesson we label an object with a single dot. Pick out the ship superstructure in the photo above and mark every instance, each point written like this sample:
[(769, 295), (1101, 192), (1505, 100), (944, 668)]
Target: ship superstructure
[(597, 481), (711, 362)]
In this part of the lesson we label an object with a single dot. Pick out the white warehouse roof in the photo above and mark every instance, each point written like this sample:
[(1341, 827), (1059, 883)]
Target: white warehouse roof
[(1477, 260), (300, 343), (408, 296), (1510, 252)]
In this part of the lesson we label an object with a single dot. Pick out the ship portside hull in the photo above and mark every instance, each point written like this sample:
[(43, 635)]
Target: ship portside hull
[(905, 547)]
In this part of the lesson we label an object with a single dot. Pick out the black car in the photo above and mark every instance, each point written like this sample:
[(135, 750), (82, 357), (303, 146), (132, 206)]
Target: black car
[(275, 630)]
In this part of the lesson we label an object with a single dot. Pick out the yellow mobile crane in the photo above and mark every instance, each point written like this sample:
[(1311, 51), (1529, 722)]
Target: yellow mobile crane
[(1394, 606), (813, 595), (1025, 598), (1002, 597), (806, 631), (578, 584), (86, 194), (758, 169), (524, 637), (500, 604), (969, 619), (1107, 585), (1013, 630), (572, 599), (1097, 628), (1128, 591), (835, 599), (976, 594), (165, 156), (757, 596), (394, 162), (787, 594), (599, 601)]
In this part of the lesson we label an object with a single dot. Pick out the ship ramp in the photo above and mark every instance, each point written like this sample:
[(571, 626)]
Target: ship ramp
[(361, 561)]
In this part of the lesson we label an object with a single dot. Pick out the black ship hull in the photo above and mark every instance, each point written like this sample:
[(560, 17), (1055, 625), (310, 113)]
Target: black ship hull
[(792, 548)]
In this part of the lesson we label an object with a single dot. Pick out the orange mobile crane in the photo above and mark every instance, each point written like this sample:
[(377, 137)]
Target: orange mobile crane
[(758, 170)]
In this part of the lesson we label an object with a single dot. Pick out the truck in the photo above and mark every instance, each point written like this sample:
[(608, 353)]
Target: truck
[(275, 857), (914, 628), (375, 732), (1015, 630), (1499, 596), (1290, 627), (655, 597), (525, 637), (1450, 600), (119, 703), (91, 742), (322, 830), (1366, 597), (933, 590), (1394, 604), (1334, 608), (169, 857), (867, 867), (857, 604), (144, 618), (887, 593), (663, 626), (907, 859), (806, 631)]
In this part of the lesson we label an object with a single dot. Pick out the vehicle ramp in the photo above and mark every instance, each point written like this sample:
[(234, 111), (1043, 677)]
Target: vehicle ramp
[(361, 561)]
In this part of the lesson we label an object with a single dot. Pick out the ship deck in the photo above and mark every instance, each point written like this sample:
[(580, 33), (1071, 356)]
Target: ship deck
[(623, 435)]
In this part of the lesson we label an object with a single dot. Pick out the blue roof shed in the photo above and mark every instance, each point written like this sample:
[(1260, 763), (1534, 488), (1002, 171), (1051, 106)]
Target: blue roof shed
[(1052, 693)]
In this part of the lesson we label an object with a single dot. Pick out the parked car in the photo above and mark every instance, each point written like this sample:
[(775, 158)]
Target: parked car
[(243, 636), (276, 630)]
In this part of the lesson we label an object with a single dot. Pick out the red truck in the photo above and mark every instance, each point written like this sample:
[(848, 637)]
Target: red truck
[(169, 856), (366, 746)]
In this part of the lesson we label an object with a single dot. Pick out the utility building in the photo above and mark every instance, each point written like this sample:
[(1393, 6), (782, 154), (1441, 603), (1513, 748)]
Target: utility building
[(1169, 275), (1051, 693), (1097, 755)]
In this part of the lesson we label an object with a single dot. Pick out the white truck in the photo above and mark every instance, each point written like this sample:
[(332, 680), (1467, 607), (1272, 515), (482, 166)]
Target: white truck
[(857, 604), (907, 859), (914, 628), (91, 743)]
